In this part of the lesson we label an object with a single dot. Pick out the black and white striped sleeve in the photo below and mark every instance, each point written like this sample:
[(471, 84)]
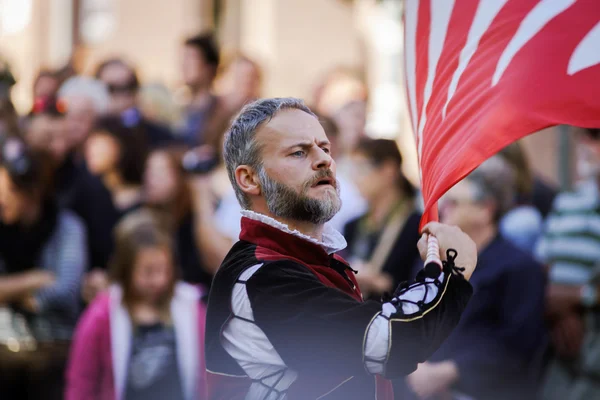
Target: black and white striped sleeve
[(68, 263), (311, 324), (414, 323)]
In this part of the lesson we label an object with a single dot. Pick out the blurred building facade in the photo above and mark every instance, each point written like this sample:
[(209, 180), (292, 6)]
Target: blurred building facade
[(296, 42)]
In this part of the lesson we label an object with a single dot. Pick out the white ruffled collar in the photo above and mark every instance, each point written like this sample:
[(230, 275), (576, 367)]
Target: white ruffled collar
[(332, 241)]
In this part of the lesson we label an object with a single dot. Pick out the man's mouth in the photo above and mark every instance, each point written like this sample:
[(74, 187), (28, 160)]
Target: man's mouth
[(323, 182)]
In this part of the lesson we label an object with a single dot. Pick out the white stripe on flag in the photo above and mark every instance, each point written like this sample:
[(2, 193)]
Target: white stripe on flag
[(587, 52), (484, 16), (410, 49), (440, 17), (537, 18)]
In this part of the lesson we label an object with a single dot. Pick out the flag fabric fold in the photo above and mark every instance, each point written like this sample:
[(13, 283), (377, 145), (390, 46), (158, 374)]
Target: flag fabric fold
[(481, 74)]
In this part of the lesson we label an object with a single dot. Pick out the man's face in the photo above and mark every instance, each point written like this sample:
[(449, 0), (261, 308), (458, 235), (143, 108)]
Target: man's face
[(80, 120), (459, 206), (49, 133), (298, 178), (194, 69), (121, 86)]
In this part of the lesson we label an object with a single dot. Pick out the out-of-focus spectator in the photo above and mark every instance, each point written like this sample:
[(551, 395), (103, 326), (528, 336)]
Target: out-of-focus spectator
[(522, 225), (531, 188), (240, 82), (144, 338), (343, 97), (42, 259), (206, 117), (7, 79), (200, 60), (353, 203), (74, 187), (9, 120), (570, 246), (45, 85), (166, 191), (382, 243), (495, 351), (117, 154), (123, 85), (210, 239), (157, 104), (85, 100), (46, 129)]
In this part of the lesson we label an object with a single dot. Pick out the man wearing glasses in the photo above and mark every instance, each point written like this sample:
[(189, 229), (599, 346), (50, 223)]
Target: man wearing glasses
[(123, 86)]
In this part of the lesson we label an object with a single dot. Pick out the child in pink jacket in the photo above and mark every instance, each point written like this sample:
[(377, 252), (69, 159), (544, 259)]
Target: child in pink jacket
[(144, 339)]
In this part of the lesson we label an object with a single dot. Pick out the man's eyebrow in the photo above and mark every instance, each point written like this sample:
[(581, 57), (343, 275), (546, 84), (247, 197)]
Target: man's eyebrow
[(304, 144), (307, 144)]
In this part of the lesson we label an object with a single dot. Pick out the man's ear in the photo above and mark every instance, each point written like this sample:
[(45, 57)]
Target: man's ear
[(247, 180)]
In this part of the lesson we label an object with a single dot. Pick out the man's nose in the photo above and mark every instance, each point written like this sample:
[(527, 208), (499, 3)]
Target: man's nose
[(323, 160)]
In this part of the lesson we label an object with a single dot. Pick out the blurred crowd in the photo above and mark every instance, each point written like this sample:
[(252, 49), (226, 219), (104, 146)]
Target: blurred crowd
[(116, 211)]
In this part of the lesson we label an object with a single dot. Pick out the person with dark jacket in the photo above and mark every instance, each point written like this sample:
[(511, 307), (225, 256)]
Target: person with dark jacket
[(116, 155), (495, 352), (43, 256), (286, 318)]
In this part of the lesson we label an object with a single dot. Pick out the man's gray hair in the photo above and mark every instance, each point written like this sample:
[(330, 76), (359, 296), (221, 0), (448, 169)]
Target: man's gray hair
[(86, 87), (240, 146), (495, 180)]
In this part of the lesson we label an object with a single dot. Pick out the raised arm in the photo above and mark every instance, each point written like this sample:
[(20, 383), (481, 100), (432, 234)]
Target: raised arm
[(311, 324)]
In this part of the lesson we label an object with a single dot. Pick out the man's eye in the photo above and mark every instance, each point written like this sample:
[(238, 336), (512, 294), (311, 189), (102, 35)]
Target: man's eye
[(326, 150), (298, 153)]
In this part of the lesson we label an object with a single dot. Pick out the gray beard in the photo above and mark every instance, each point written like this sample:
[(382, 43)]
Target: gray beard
[(285, 202)]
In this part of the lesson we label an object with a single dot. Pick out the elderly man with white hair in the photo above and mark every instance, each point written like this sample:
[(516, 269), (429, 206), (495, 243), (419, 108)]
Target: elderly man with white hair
[(85, 99)]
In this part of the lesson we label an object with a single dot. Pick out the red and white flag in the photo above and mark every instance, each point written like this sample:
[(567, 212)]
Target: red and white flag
[(481, 74)]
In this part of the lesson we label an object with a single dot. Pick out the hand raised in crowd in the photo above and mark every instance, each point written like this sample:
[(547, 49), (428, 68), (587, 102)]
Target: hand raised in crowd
[(36, 279), (451, 237), (39, 279)]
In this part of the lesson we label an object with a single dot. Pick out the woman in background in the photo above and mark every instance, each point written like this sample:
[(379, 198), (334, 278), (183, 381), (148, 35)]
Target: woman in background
[(43, 255), (382, 244), (167, 192), (116, 154), (144, 338), (523, 224)]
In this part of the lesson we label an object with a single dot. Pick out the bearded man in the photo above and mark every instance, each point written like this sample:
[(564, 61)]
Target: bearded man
[(286, 319)]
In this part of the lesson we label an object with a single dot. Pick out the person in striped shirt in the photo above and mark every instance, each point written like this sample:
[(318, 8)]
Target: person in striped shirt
[(570, 247), (43, 255)]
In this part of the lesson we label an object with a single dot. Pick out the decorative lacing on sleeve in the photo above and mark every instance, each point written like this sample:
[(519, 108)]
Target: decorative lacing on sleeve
[(408, 303)]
